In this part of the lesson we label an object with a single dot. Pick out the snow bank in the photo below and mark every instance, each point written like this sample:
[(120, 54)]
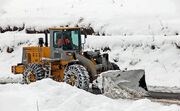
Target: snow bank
[(105, 16), (48, 95)]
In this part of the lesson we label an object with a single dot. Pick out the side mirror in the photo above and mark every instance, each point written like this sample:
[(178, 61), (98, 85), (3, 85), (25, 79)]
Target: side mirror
[(83, 39)]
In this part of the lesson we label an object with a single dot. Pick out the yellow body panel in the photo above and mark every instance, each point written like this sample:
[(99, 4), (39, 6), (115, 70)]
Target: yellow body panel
[(34, 54), (17, 69), (57, 70)]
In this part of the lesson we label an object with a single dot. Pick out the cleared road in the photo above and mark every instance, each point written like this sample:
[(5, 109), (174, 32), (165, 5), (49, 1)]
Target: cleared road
[(164, 95)]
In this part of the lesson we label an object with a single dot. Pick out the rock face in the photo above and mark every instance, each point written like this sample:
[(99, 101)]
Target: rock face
[(11, 28)]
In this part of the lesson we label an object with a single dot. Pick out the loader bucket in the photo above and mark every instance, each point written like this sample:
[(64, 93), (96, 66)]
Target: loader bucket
[(124, 84)]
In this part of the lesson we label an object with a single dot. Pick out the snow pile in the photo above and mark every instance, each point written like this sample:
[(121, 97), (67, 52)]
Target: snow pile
[(48, 95), (118, 84), (105, 16)]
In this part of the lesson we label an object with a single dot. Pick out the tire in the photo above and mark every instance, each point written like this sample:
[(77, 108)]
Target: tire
[(115, 66), (77, 75), (32, 73)]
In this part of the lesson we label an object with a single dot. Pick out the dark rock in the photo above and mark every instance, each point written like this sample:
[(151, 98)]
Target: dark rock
[(153, 47), (9, 50), (106, 49)]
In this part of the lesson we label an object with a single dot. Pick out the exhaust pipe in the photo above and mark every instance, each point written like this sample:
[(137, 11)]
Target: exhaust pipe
[(41, 42), (46, 39)]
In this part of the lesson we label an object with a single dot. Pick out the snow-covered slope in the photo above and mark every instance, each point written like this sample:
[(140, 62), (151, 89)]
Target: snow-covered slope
[(47, 95), (108, 16)]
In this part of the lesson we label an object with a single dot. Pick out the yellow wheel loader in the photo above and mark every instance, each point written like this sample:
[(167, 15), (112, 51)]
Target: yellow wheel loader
[(65, 61)]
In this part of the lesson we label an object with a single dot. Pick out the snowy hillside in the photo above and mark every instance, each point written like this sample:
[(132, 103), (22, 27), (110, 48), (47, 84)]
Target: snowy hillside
[(105, 16)]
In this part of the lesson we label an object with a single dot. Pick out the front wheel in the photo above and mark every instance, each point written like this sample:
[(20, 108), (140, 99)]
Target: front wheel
[(32, 73), (77, 75)]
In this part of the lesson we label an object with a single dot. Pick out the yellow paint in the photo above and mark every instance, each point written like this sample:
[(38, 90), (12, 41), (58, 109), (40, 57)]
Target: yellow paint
[(17, 69), (34, 54)]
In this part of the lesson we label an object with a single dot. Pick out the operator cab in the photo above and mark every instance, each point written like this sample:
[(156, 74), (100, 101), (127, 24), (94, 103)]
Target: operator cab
[(64, 39)]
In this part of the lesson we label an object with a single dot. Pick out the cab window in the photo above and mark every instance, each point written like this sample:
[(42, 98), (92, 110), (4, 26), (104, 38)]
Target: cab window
[(68, 39), (57, 37)]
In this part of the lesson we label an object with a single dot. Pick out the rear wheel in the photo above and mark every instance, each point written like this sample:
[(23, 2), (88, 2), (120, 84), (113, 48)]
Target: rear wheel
[(32, 73), (77, 75)]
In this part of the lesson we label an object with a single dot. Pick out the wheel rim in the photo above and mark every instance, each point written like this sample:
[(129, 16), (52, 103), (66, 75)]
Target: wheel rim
[(77, 75), (72, 79), (31, 77)]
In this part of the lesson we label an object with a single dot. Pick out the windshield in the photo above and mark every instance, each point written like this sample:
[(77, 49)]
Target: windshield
[(67, 40)]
